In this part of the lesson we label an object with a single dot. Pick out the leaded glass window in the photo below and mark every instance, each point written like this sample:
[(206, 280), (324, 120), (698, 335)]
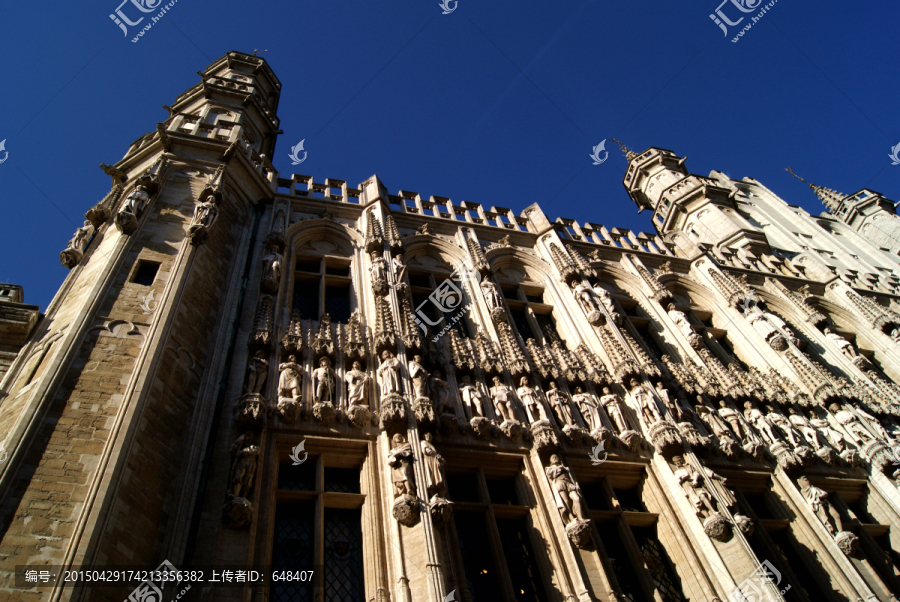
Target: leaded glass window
[(343, 556), (292, 548), (664, 576)]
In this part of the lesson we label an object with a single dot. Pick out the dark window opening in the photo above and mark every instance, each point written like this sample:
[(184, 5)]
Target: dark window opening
[(145, 273), (539, 298), (595, 496), (423, 280), (313, 267), (510, 292), (644, 333), (306, 298), (631, 311), (337, 303), (298, 478), (621, 565), (520, 560), (666, 580), (521, 323), (482, 577), (503, 491), (292, 548), (757, 503), (333, 270), (423, 303), (343, 555), (548, 328), (463, 487), (729, 349), (806, 580), (342, 480), (630, 500)]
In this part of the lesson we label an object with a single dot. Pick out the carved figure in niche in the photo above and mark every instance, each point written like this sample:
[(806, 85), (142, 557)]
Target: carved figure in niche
[(323, 380), (607, 302), (491, 293), (272, 264), (534, 409), (502, 396), (857, 431), (82, 236), (715, 422), (259, 370), (783, 424), (585, 296), (691, 482), (246, 453), (419, 376), (733, 417), (389, 374), (681, 320), (843, 344), (800, 423), (755, 417), (357, 386), (645, 402), (567, 492), (135, 201), (290, 378), (873, 423), (434, 467), (834, 437), (440, 394), (895, 334), (818, 501), (559, 401), (673, 407), (615, 408), (400, 460), (588, 408), (425, 229), (768, 324), (205, 213), (399, 267), (472, 398), (378, 270)]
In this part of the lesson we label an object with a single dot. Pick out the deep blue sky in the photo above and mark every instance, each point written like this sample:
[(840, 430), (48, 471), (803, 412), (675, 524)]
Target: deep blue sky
[(497, 103)]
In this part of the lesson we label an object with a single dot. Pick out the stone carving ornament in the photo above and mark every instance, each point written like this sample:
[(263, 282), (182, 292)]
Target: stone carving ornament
[(238, 510), (588, 407), (534, 409), (569, 501), (323, 381), (272, 266), (289, 384), (357, 386), (420, 377), (434, 468), (389, 374), (74, 251), (693, 484), (472, 397), (400, 458), (559, 401), (502, 396), (205, 215)]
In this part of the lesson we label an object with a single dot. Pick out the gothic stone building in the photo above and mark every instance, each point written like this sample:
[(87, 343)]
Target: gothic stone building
[(421, 400)]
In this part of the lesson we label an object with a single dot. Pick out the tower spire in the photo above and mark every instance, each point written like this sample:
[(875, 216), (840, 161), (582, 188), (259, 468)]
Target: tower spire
[(830, 198), (629, 154)]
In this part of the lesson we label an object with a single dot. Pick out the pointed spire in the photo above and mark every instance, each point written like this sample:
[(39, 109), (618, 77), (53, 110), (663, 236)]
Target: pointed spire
[(830, 198), (629, 154)]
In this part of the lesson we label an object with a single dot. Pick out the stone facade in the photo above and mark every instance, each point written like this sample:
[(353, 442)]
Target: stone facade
[(424, 401)]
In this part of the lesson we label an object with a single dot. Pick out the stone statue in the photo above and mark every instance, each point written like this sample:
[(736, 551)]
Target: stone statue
[(800, 423), (399, 267), (733, 417), (323, 381), (783, 424), (559, 401), (259, 370), (389, 374), (834, 437), (645, 402), (491, 293), (614, 406), (691, 482), (755, 417), (607, 302), (588, 408), (246, 453), (135, 201), (873, 423), (585, 296), (290, 379), (857, 431), (378, 270), (82, 236), (440, 394), (673, 407), (843, 344), (818, 501), (434, 467), (400, 460), (534, 409), (713, 420), (566, 490), (205, 213), (472, 398), (419, 376), (681, 320), (357, 386), (501, 394), (272, 263)]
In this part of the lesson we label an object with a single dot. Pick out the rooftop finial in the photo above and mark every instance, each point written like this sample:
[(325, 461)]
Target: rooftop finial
[(830, 198), (629, 154), (796, 176), (256, 50)]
